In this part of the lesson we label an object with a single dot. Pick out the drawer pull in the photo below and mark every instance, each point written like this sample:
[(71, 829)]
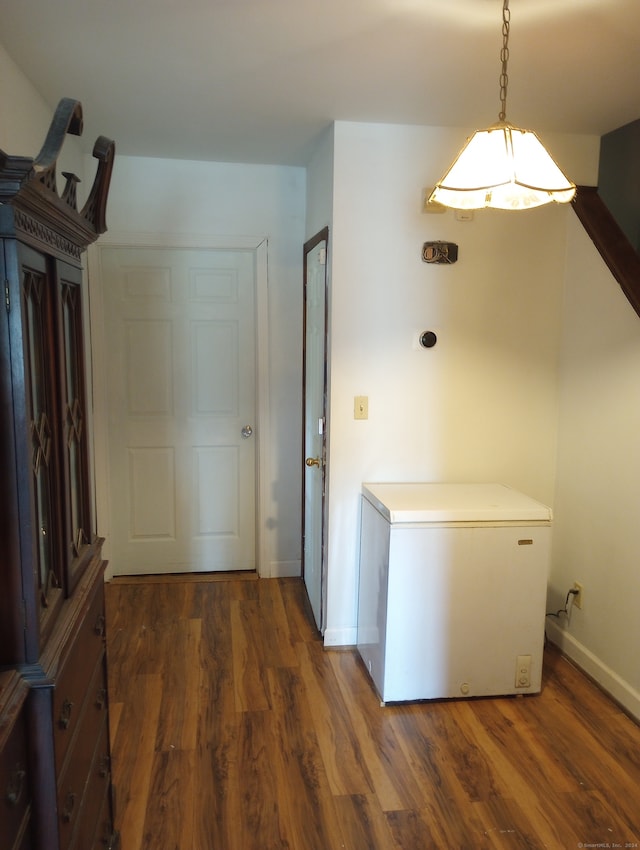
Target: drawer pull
[(99, 627), (104, 766), (69, 804), (110, 838), (15, 787), (101, 698), (65, 714)]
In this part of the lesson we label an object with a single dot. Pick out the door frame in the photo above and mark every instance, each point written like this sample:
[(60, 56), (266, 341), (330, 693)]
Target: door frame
[(97, 352), (309, 245)]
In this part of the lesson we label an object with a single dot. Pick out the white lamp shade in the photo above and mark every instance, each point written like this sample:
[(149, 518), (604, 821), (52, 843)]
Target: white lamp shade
[(503, 167)]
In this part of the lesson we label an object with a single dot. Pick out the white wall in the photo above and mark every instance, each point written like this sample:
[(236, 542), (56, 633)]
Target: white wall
[(480, 406), (598, 488), (173, 198), (319, 211), (24, 122)]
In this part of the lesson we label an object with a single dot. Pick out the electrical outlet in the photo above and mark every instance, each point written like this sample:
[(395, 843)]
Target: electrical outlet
[(523, 671), (577, 597)]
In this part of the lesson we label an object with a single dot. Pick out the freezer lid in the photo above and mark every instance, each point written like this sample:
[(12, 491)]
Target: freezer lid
[(418, 502)]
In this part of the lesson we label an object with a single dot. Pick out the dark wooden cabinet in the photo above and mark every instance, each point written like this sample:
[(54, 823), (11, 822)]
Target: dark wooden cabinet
[(54, 702), (16, 827)]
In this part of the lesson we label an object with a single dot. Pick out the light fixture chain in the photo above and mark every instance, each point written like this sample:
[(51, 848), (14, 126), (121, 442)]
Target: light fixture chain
[(504, 58)]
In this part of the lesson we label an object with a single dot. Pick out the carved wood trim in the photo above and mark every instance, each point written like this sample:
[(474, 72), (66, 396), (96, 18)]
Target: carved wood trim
[(29, 186), (44, 238), (610, 240)]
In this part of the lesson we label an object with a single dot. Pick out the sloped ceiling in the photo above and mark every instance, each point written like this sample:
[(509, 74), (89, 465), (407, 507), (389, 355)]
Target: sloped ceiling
[(258, 80)]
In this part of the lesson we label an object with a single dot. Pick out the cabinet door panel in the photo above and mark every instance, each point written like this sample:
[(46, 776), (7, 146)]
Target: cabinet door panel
[(77, 525), (39, 472), (18, 643)]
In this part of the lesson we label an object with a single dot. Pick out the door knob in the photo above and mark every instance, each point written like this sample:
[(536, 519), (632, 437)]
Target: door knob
[(247, 431), (313, 461)]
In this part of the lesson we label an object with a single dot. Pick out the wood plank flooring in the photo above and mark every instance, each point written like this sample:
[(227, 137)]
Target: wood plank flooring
[(233, 729)]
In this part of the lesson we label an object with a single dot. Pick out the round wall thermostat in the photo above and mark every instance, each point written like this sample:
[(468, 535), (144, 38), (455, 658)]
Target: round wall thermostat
[(428, 339)]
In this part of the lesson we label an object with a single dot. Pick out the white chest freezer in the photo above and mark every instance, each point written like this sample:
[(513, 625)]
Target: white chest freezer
[(452, 590)]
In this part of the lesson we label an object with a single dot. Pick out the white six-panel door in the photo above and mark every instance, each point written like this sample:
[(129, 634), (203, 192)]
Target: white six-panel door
[(180, 344)]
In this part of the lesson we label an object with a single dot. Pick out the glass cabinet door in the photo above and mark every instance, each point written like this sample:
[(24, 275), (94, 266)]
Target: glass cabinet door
[(39, 354), (55, 401), (74, 425)]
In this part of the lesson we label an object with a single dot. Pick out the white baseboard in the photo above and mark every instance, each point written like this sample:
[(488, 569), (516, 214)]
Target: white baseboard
[(284, 569), (340, 637), (610, 682), (278, 569)]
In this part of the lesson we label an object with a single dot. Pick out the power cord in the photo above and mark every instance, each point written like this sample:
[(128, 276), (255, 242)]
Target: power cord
[(565, 610)]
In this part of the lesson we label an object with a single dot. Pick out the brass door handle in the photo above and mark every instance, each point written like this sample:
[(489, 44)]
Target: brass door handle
[(313, 461)]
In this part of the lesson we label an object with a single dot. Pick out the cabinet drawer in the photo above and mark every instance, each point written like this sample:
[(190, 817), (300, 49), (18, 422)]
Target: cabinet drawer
[(72, 683), (105, 837), (81, 756), (24, 841), (15, 805), (95, 798)]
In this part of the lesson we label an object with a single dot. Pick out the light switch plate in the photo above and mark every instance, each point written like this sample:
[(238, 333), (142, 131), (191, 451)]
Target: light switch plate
[(361, 407)]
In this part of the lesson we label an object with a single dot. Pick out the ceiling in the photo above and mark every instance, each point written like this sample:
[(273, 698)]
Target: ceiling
[(259, 80)]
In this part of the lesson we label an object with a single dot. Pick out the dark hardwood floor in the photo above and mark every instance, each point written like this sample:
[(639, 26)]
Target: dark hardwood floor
[(233, 729)]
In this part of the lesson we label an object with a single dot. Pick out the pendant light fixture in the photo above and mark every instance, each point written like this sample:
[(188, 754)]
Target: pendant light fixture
[(503, 166)]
